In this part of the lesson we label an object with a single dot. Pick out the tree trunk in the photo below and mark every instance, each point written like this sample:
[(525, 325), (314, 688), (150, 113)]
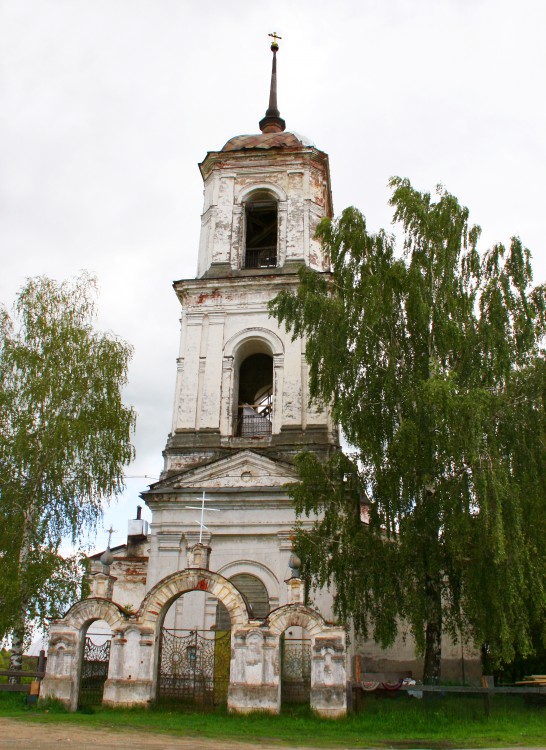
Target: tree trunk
[(433, 632), (19, 626), (16, 658)]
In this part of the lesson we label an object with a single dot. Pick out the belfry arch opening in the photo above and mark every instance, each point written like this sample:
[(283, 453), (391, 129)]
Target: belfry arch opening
[(261, 230), (255, 398)]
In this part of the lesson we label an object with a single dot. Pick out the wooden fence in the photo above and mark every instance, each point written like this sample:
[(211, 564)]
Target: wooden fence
[(17, 686), (388, 683)]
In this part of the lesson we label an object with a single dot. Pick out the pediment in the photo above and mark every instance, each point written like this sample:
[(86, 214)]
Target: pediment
[(245, 469)]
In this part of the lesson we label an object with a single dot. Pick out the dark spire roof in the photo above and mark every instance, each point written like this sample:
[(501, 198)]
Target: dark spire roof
[(273, 122)]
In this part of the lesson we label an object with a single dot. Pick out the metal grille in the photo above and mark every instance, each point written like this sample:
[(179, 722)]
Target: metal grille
[(94, 672), (194, 667), (254, 425), (295, 671), (261, 257)]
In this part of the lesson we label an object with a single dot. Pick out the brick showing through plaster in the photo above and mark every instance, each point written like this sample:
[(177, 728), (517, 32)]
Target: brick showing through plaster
[(181, 583), (94, 609)]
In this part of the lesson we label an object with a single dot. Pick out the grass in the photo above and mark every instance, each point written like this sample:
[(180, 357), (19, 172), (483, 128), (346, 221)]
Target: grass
[(440, 722)]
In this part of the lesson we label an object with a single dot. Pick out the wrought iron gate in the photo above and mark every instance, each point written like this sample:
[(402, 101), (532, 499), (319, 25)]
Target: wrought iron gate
[(94, 673), (194, 667), (295, 670)]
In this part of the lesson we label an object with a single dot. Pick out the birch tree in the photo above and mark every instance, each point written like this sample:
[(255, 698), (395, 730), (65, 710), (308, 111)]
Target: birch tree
[(431, 360), (65, 436)]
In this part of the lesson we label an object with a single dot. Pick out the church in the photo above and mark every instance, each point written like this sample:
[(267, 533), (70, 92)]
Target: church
[(207, 605)]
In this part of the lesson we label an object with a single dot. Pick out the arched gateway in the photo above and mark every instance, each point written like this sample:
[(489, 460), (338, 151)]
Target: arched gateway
[(254, 683), (136, 638), (192, 665)]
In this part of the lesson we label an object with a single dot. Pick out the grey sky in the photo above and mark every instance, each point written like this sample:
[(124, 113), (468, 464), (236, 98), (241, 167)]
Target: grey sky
[(107, 106)]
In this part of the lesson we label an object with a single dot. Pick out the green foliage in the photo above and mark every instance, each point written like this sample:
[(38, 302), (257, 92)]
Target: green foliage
[(64, 440), (431, 360)]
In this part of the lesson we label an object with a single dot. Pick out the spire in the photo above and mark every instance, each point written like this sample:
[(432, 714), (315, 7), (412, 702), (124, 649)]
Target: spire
[(273, 122)]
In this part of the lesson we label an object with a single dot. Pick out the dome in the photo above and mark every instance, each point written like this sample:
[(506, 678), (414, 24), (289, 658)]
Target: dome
[(285, 139)]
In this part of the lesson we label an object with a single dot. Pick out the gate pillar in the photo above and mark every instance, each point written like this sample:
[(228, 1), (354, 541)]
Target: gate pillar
[(62, 675), (129, 682), (328, 673), (254, 684)]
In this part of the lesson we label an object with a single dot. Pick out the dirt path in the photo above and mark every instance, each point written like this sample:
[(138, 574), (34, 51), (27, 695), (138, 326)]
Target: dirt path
[(24, 735)]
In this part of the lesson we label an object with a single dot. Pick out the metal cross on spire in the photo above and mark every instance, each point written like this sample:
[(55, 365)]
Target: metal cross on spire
[(201, 523), (275, 37), (111, 531)]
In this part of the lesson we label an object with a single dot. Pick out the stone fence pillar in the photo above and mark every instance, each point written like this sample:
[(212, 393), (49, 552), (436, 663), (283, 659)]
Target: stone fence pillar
[(329, 674), (63, 666), (254, 683)]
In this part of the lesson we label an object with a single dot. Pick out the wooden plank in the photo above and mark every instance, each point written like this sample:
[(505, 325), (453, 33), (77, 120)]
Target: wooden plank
[(383, 676), (7, 688), (477, 690), (539, 690)]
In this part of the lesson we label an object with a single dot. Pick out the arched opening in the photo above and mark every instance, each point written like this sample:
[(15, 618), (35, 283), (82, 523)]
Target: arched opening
[(295, 654), (255, 401), (95, 660), (261, 230), (254, 592), (194, 657)]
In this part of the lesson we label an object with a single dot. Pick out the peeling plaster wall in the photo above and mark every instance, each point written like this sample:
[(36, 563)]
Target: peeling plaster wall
[(213, 312), (251, 531), (300, 180)]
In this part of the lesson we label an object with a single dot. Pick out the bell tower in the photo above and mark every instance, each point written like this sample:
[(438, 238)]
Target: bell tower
[(241, 409), (242, 381)]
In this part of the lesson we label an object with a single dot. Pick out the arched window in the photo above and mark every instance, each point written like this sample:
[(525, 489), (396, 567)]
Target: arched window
[(261, 230), (255, 404), (254, 592)]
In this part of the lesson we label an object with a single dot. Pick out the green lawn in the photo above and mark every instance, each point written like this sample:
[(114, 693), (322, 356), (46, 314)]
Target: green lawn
[(401, 721)]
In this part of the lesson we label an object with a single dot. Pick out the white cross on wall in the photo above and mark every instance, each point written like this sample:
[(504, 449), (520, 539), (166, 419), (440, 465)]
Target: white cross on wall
[(201, 523)]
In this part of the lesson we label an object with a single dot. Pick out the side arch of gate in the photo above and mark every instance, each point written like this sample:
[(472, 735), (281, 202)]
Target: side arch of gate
[(158, 600), (66, 646), (295, 615), (86, 611), (328, 656), (295, 655)]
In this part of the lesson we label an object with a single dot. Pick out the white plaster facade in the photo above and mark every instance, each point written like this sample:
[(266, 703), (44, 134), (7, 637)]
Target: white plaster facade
[(162, 578), (225, 319)]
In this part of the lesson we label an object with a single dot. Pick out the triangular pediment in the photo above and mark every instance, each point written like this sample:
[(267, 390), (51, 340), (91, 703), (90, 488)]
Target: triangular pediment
[(245, 469)]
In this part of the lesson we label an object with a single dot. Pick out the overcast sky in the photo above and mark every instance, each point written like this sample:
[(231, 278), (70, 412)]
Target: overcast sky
[(107, 106)]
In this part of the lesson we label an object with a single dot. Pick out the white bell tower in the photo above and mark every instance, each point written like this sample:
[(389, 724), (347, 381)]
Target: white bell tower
[(241, 410), (241, 381)]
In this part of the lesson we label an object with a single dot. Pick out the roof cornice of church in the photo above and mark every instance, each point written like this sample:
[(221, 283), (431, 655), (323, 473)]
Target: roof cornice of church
[(261, 146)]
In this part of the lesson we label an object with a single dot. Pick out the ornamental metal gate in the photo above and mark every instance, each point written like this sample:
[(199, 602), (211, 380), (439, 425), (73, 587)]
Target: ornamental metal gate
[(94, 673), (295, 670), (194, 667)]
